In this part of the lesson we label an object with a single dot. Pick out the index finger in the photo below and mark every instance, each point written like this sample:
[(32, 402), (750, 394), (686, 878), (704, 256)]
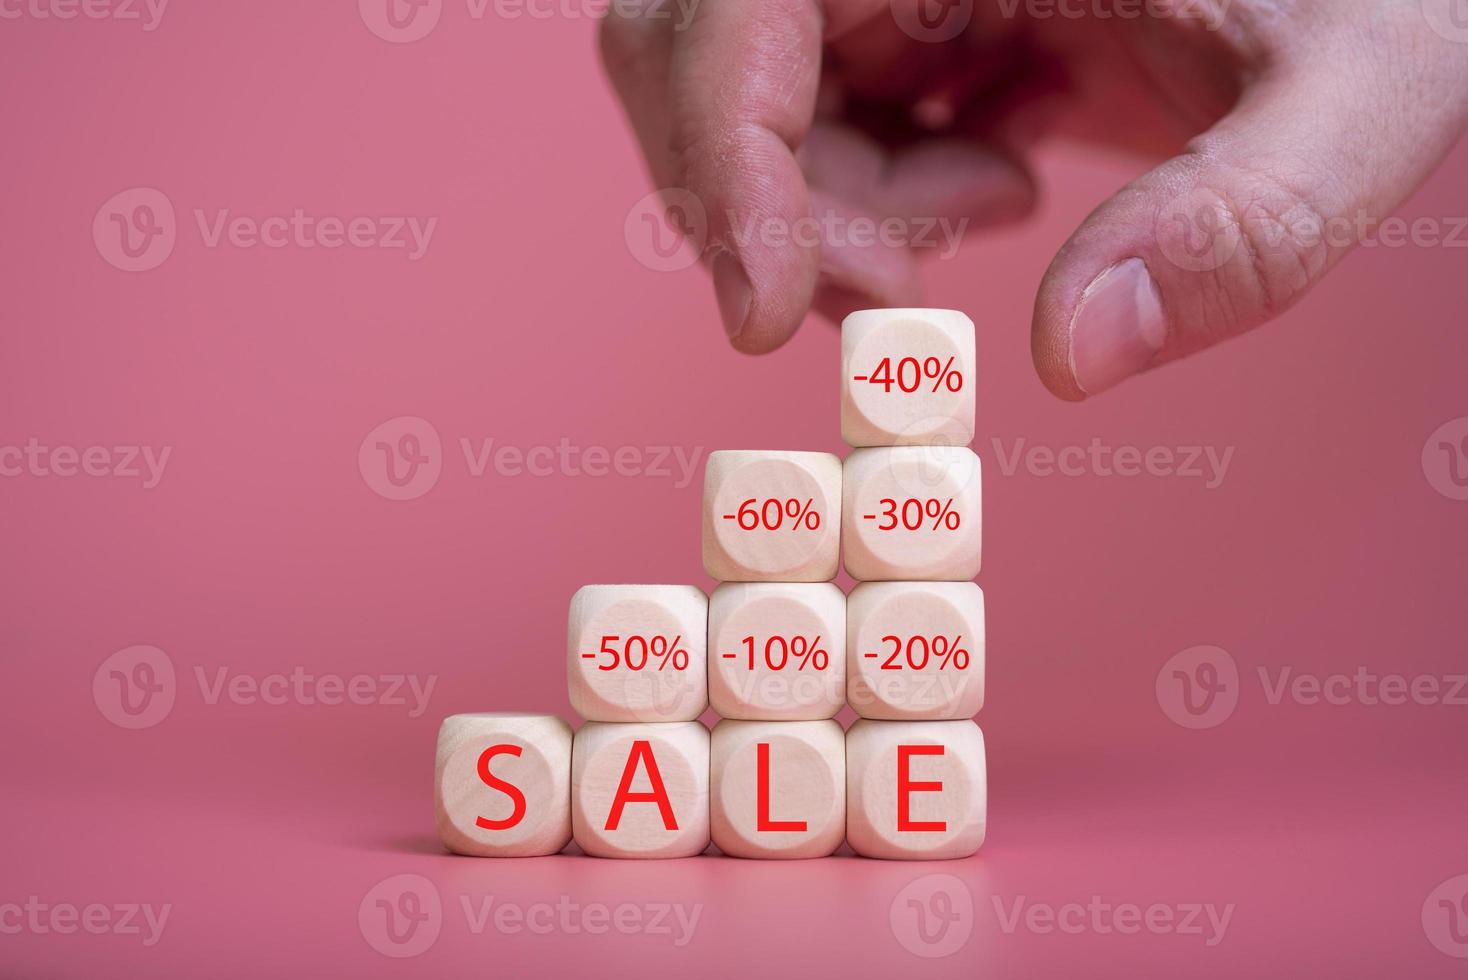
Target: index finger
[(742, 91)]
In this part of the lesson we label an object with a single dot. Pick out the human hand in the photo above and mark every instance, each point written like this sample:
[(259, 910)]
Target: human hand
[(1317, 118)]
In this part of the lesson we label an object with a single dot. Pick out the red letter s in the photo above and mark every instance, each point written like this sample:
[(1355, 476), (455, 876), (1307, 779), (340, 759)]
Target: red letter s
[(509, 789)]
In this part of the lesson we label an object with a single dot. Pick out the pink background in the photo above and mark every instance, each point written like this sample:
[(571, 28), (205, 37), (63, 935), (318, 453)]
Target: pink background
[(530, 320)]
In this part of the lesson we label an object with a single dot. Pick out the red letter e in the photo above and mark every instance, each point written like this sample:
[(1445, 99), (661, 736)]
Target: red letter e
[(906, 787)]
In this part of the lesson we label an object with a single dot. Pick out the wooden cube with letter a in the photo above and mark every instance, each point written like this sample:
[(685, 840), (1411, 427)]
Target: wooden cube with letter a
[(641, 790)]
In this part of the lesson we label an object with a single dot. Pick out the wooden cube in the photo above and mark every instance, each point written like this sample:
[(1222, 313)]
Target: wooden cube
[(641, 790), (778, 788), (636, 652), (771, 516), (907, 377), (502, 784), (915, 650), (915, 790), (912, 512), (777, 650)]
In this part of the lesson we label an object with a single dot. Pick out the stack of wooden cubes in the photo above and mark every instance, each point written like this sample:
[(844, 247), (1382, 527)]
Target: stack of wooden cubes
[(777, 650)]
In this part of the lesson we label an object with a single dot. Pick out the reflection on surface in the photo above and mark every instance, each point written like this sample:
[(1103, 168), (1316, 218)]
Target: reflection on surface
[(844, 910)]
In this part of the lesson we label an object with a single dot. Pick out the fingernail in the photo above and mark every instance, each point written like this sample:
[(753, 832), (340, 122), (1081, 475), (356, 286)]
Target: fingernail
[(1118, 327), (732, 288)]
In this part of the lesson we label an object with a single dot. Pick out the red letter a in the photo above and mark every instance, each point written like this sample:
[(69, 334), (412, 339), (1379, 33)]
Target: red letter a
[(642, 749)]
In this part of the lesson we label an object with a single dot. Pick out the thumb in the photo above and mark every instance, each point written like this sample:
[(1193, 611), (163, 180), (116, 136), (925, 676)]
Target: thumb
[(1236, 230)]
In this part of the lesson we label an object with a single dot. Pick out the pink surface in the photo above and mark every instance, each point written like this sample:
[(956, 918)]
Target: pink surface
[(269, 546)]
